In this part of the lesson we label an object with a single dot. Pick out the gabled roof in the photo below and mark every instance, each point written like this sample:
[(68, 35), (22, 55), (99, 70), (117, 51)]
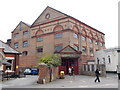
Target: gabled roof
[(69, 49), (7, 49), (54, 15), (19, 25), (39, 21)]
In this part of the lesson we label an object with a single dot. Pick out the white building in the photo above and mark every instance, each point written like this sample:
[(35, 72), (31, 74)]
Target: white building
[(109, 57)]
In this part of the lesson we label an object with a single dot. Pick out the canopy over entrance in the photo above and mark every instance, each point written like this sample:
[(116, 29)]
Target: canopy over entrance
[(70, 58)]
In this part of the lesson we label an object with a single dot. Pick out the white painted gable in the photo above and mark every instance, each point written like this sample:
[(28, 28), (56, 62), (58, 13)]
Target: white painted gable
[(49, 14)]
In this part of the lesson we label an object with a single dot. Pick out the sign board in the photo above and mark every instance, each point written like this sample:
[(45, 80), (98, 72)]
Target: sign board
[(70, 55)]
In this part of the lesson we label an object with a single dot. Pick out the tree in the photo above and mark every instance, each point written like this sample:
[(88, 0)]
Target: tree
[(51, 60)]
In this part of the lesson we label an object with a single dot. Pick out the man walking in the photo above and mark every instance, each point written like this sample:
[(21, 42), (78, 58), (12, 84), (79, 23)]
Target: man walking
[(97, 75), (72, 71)]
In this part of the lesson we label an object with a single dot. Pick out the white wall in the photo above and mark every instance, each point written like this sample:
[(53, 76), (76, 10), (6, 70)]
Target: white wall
[(112, 66)]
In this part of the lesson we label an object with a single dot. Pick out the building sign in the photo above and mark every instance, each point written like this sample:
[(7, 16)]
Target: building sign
[(70, 55), (10, 58)]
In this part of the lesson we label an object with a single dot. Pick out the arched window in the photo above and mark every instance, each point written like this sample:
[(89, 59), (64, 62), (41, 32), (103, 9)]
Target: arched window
[(58, 28), (90, 35), (75, 28), (39, 32), (84, 33)]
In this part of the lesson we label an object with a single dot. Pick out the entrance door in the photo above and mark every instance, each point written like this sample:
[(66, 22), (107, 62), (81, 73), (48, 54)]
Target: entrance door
[(69, 62)]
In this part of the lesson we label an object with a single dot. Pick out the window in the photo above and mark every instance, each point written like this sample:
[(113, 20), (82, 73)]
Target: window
[(96, 42), (75, 47), (58, 48), (40, 49), (84, 49), (25, 33), (25, 44), (93, 67), (88, 67), (103, 60), (98, 61), (109, 61), (90, 40), (16, 35), (91, 50), (101, 44), (75, 35), (59, 35), (83, 38), (24, 53), (84, 67), (16, 45), (39, 38)]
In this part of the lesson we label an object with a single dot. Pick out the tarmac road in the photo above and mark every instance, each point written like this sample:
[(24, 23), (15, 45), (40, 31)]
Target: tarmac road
[(78, 81)]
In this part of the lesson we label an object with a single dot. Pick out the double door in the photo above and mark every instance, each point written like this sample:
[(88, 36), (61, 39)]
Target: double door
[(71, 62)]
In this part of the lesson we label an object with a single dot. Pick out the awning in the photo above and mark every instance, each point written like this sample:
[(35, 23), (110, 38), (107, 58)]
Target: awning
[(4, 62)]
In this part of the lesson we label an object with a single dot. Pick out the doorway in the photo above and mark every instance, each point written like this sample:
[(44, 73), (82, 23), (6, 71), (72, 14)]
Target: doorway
[(69, 62)]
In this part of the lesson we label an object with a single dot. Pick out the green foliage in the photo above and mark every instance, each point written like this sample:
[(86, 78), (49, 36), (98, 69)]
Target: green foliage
[(51, 60)]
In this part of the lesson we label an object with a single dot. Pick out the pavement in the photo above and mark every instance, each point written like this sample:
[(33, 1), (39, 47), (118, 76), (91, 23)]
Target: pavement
[(77, 81)]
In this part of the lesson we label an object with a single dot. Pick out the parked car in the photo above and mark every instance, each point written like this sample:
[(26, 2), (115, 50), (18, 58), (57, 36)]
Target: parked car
[(27, 71), (34, 71)]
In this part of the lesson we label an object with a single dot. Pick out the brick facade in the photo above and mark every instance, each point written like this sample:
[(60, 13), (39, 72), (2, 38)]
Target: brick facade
[(45, 27), (9, 55)]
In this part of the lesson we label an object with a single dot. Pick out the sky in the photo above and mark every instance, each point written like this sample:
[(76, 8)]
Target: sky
[(99, 14)]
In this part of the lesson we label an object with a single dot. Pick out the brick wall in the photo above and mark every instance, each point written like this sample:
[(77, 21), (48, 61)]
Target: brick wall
[(47, 74), (67, 26)]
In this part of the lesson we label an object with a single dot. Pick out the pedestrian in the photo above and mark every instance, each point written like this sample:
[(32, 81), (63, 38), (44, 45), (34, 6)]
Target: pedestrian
[(97, 75), (70, 71), (118, 71)]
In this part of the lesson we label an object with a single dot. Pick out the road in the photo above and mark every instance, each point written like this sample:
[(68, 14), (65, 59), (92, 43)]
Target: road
[(78, 81)]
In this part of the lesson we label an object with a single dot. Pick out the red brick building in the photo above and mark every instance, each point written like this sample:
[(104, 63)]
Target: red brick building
[(56, 32), (9, 58)]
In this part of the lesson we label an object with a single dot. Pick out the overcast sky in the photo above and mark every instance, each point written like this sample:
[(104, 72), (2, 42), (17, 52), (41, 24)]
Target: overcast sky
[(100, 14)]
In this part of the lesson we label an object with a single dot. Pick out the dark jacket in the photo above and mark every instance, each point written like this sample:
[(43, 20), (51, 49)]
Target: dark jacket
[(97, 72), (72, 69)]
